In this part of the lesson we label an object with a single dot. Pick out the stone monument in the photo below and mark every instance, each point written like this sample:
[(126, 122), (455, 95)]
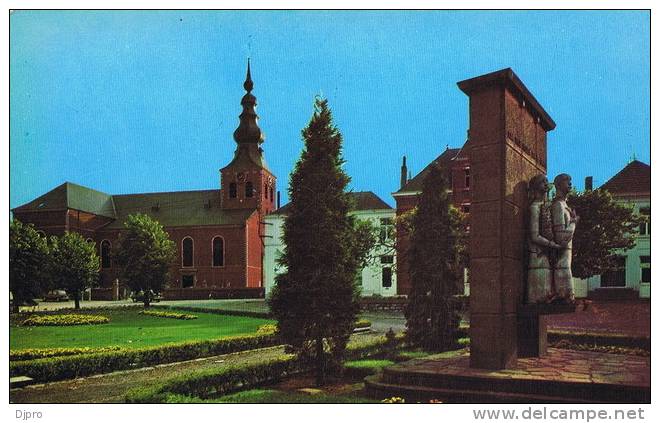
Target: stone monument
[(507, 147)]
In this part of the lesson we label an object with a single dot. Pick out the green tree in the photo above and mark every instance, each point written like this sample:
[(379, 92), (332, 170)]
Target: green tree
[(74, 264), (316, 300), (435, 267), (28, 263), (144, 254), (606, 228)]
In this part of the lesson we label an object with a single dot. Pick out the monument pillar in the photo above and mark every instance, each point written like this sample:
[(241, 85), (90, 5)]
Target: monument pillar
[(507, 147)]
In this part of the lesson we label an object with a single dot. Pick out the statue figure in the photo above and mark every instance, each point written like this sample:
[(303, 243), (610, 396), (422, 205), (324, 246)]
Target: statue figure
[(543, 250), (563, 227)]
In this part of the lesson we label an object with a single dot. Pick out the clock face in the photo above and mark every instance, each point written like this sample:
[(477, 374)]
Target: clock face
[(240, 177)]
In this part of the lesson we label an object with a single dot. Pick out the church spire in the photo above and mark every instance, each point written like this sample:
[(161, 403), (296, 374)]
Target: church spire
[(248, 131)]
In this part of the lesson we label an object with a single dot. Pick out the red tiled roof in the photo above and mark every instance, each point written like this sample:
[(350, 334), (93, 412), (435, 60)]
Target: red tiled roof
[(635, 178)]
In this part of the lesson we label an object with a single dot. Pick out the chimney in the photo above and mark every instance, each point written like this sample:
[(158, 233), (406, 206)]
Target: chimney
[(589, 183), (404, 173), (278, 199)]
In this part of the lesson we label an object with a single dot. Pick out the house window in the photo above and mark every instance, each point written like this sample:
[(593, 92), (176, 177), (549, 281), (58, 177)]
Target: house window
[(187, 281), (187, 252), (232, 190), (465, 208), (616, 276), (467, 178), (386, 229), (218, 252), (386, 259), (387, 277), (645, 265), (645, 227), (105, 254), (249, 189)]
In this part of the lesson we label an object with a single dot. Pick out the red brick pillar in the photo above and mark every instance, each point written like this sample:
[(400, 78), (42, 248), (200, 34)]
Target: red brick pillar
[(506, 147)]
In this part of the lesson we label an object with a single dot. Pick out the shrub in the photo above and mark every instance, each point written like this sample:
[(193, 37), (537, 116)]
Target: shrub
[(65, 320), (268, 329), (168, 314), (394, 400), (73, 366), (612, 349), (35, 353)]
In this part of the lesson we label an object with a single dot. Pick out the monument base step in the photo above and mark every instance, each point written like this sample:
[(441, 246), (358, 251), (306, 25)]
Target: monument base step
[(562, 376)]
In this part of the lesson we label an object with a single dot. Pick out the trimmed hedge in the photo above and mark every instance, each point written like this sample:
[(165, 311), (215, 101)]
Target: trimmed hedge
[(215, 382), (362, 323), (168, 314), (35, 353), (245, 313), (65, 320), (73, 366), (610, 349)]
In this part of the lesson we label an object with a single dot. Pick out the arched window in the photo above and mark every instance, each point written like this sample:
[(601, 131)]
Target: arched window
[(187, 252), (249, 189), (271, 194), (266, 190), (42, 233), (232, 190), (218, 251), (105, 254)]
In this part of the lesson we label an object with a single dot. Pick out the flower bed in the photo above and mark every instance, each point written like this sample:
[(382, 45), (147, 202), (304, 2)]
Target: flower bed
[(65, 320), (168, 314)]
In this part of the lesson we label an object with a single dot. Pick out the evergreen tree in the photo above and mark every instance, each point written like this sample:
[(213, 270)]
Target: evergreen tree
[(606, 228), (144, 254), (434, 258), (74, 264), (316, 300), (28, 263)]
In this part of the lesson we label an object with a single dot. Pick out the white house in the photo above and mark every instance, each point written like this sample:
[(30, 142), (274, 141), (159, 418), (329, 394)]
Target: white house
[(378, 278), (632, 277)]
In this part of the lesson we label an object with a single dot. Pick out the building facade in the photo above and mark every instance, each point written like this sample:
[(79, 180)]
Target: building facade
[(378, 278), (218, 233), (632, 276), (456, 165)]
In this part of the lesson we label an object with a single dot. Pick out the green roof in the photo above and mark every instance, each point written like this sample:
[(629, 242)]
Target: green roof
[(73, 196), (182, 208)]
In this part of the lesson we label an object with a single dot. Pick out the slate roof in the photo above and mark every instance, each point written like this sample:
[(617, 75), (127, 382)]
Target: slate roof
[(364, 200), (73, 196), (444, 160), (634, 179), (183, 208)]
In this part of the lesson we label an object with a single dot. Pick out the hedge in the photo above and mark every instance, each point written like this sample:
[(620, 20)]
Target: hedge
[(216, 382), (35, 353), (65, 320), (244, 313), (73, 366)]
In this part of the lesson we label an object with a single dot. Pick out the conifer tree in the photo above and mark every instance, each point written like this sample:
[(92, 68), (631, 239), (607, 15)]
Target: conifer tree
[(432, 311), (316, 300)]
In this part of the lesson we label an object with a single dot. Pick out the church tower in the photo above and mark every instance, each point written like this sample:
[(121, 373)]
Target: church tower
[(246, 182)]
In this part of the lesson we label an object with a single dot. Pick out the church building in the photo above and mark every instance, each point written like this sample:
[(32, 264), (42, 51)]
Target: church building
[(218, 233)]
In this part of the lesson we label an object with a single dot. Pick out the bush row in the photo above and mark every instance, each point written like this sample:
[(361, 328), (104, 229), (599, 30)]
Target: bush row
[(216, 382), (35, 353), (73, 366), (603, 339), (362, 323), (168, 314), (611, 349), (65, 320)]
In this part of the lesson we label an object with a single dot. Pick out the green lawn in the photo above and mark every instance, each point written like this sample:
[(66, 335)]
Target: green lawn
[(274, 396), (129, 329)]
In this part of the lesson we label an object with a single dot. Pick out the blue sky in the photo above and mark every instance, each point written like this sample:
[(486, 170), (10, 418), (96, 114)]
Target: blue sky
[(144, 101)]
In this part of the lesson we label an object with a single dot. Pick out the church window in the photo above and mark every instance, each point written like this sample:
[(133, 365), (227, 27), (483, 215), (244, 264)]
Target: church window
[(232, 190), (187, 252), (187, 281), (218, 252), (271, 194), (467, 178), (249, 189), (105, 254), (265, 191)]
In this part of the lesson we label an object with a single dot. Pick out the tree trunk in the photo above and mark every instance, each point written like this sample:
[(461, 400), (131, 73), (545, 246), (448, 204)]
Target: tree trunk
[(320, 364), (76, 300)]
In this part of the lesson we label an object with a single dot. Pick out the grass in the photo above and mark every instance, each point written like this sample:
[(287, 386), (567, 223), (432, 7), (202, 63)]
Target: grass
[(129, 329), (273, 396)]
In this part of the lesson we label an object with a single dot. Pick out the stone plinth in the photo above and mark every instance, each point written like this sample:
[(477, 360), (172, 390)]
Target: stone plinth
[(506, 147)]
